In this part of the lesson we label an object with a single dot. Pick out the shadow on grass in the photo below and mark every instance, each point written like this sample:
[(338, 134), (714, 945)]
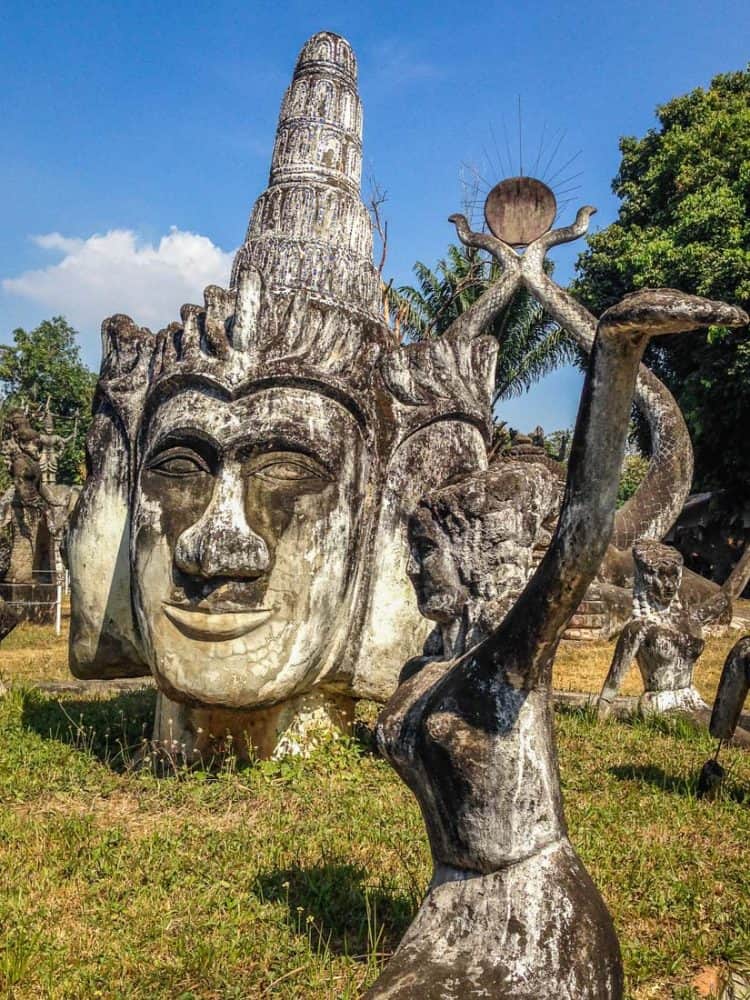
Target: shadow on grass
[(349, 917), (109, 729), (651, 774)]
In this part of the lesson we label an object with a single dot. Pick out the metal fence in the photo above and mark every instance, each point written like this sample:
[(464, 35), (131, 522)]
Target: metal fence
[(40, 599)]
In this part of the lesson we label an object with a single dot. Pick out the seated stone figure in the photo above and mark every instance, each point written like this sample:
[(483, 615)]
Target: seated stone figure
[(511, 912), (664, 639)]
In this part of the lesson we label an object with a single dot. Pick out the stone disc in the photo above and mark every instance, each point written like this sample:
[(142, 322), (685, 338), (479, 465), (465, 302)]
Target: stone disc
[(519, 210)]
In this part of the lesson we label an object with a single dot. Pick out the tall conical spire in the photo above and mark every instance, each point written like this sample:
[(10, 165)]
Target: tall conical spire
[(309, 230)]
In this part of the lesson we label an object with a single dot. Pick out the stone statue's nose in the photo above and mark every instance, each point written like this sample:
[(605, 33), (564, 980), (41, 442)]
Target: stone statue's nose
[(221, 542)]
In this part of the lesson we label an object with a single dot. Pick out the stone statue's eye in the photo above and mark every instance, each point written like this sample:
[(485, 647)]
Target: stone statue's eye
[(291, 470), (178, 462)]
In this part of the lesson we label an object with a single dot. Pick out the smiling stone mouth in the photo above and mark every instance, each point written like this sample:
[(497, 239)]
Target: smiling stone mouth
[(215, 625)]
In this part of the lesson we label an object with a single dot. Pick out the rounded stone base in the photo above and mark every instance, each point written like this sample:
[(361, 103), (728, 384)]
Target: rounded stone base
[(684, 699), (536, 930), (200, 736)]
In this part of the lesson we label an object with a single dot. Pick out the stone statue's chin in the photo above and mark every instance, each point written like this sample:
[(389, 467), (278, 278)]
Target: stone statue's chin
[(215, 626)]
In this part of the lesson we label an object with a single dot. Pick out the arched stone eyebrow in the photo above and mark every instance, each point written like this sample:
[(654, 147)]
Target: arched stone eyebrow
[(204, 444), (329, 458)]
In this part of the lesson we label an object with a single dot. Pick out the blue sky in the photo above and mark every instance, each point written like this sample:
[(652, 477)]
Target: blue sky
[(150, 126)]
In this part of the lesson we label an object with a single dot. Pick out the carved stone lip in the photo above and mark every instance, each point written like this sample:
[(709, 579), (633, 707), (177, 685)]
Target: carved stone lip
[(215, 626)]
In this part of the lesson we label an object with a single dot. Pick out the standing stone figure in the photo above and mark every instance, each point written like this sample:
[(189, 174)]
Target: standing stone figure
[(51, 446), (510, 911), (663, 637), (34, 512), (23, 506)]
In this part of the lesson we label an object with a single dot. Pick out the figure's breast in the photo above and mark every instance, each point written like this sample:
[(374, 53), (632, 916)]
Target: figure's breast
[(479, 756)]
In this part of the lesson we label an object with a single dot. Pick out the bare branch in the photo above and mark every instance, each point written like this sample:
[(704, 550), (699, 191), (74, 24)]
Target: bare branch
[(378, 197)]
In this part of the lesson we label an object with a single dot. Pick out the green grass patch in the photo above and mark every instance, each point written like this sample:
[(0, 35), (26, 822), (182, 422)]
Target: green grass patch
[(298, 878)]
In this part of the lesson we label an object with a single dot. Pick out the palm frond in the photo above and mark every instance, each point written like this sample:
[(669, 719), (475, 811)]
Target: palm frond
[(531, 343)]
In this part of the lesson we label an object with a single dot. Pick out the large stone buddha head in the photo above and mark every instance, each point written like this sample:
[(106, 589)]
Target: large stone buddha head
[(249, 503), (242, 532)]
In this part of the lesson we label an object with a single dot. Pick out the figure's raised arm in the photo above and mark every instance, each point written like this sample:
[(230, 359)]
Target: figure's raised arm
[(533, 627)]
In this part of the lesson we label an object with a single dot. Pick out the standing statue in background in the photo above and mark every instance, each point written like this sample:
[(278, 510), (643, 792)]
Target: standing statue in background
[(511, 911), (34, 515), (51, 446), (23, 506)]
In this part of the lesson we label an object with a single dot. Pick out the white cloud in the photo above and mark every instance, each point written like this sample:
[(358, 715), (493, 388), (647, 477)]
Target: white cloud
[(120, 273)]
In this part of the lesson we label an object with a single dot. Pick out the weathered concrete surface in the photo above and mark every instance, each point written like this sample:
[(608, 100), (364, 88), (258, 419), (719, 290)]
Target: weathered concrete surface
[(664, 639), (249, 563), (511, 912), (242, 534), (734, 685), (34, 515)]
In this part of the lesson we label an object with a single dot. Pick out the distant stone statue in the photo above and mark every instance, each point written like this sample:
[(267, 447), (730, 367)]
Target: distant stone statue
[(510, 911), (23, 507), (663, 637), (34, 514), (51, 446)]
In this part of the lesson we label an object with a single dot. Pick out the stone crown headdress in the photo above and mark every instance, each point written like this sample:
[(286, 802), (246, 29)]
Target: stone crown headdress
[(305, 300)]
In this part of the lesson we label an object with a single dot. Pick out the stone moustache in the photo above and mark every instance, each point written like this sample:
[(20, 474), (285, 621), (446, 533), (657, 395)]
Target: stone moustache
[(511, 911)]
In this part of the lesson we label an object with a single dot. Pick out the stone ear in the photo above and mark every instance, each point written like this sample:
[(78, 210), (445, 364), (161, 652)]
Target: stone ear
[(247, 308)]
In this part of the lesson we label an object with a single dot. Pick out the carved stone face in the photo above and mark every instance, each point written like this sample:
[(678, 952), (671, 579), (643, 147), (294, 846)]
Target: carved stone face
[(245, 522), (471, 542), (658, 572), (432, 569)]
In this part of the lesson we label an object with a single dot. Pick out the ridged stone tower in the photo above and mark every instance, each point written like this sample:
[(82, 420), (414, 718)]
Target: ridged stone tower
[(309, 229)]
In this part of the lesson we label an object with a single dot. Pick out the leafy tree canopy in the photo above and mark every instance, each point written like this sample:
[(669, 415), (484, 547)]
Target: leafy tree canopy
[(532, 343), (45, 362), (684, 222)]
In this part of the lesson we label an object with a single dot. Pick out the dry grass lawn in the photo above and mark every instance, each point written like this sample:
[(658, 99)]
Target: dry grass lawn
[(34, 653), (296, 879)]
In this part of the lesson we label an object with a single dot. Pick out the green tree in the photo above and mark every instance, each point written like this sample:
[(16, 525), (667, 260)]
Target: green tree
[(533, 344), (46, 362), (634, 468), (684, 222)]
